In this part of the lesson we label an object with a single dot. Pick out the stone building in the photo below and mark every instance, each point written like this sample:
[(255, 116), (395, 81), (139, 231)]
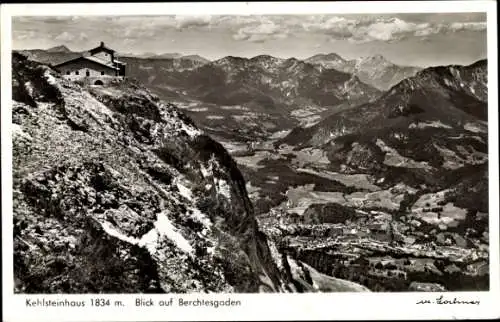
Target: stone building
[(97, 66)]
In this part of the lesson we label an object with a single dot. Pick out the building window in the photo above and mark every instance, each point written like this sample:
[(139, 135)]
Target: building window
[(77, 72), (87, 73), (102, 73)]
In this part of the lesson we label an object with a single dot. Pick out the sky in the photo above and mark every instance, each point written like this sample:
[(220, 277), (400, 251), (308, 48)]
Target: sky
[(415, 39)]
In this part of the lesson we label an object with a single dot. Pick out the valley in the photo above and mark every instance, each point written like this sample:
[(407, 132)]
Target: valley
[(400, 207), (383, 183)]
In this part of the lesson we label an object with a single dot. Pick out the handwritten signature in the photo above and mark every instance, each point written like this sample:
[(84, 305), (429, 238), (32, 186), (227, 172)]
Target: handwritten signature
[(442, 300)]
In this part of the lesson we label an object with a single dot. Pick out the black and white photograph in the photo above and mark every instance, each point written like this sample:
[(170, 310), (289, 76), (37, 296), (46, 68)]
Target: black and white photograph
[(251, 153)]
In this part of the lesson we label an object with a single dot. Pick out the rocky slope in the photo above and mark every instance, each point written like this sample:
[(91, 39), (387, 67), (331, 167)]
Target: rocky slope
[(118, 192), (374, 70)]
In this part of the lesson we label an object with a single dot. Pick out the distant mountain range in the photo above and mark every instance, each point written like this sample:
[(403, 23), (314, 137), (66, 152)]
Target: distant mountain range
[(272, 93), (54, 55), (423, 115), (59, 49), (57, 54), (197, 58), (153, 55), (288, 81), (374, 70)]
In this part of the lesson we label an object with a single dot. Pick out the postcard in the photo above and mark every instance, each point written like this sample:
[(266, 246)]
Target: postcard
[(248, 161)]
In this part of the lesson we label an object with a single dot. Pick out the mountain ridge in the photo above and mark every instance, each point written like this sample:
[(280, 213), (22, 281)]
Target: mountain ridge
[(410, 98), (375, 70), (61, 48)]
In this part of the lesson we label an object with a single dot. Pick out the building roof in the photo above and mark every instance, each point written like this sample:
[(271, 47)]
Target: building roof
[(119, 62), (92, 59), (100, 61), (101, 47)]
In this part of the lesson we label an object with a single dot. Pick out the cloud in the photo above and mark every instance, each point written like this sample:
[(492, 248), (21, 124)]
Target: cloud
[(135, 33), (389, 29), (141, 27), (261, 32), (471, 26), (185, 22), (24, 34), (251, 28), (69, 37), (52, 20), (65, 36)]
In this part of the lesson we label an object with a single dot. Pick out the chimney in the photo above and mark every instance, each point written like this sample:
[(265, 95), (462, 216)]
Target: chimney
[(102, 43)]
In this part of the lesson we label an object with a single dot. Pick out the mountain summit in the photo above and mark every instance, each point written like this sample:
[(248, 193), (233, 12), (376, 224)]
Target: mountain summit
[(331, 60), (59, 49), (375, 70)]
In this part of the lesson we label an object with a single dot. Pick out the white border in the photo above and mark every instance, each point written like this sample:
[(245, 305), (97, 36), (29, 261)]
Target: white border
[(248, 8), (346, 306)]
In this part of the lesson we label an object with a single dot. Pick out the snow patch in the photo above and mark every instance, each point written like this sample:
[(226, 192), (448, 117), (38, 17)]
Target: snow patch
[(17, 130), (150, 240), (184, 191), (198, 109), (475, 127), (191, 131), (275, 254), (29, 88), (280, 134), (233, 107), (50, 79), (211, 250), (112, 231), (164, 227), (435, 124), (200, 217), (215, 117)]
